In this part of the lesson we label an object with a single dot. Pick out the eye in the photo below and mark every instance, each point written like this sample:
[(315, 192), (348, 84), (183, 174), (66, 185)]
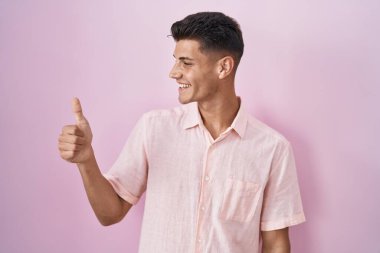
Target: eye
[(187, 63)]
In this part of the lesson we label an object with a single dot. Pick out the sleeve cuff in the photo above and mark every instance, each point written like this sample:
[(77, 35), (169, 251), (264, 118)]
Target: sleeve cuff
[(290, 221), (120, 190)]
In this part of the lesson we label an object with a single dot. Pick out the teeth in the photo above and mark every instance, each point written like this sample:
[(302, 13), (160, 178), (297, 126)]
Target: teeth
[(184, 85)]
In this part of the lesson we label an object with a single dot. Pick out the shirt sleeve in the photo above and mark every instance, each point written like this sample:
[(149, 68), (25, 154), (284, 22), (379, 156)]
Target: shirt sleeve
[(128, 175), (282, 205)]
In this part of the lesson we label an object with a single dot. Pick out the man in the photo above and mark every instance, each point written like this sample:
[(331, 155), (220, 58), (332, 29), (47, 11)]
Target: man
[(216, 179)]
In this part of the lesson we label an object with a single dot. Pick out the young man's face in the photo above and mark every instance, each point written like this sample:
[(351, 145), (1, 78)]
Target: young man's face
[(195, 72)]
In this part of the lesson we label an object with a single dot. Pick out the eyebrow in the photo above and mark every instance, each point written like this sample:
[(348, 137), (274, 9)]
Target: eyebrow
[(182, 58)]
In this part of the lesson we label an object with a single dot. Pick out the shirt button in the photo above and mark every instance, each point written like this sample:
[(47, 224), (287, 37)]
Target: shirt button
[(207, 178), (202, 208), (199, 240)]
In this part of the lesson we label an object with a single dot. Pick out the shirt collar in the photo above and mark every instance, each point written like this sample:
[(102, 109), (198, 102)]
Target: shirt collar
[(193, 118), (239, 124)]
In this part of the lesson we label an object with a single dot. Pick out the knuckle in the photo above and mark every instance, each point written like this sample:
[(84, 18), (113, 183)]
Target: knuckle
[(69, 154), (67, 129), (72, 154), (63, 155)]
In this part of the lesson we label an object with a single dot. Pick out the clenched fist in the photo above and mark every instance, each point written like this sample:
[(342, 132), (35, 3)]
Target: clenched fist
[(74, 143)]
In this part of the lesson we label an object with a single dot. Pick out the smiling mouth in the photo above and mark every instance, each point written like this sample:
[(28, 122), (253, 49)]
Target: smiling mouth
[(184, 86)]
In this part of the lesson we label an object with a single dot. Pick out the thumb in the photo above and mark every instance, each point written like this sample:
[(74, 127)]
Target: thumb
[(77, 109)]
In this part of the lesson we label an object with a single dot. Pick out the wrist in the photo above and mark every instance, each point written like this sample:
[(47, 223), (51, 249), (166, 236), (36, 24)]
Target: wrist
[(90, 160)]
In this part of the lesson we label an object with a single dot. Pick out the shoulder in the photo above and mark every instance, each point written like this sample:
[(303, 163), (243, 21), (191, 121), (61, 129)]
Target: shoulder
[(272, 140), (170, 116), (164, 113), (263, 130)]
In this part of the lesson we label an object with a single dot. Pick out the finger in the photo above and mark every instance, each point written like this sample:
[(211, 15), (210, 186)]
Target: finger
[(68, 147), (68, 155), (73, 139), (73, 130), (77, 109)]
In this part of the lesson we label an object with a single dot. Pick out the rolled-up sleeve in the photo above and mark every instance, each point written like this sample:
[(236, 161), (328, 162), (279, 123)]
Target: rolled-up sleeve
[(128, 175), (282, 204)]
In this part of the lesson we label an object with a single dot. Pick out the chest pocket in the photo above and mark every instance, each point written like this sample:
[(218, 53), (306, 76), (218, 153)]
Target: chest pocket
[(240, 200)]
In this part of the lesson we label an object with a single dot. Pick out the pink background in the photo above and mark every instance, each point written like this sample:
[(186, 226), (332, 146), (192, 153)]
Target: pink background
[(310, 70)]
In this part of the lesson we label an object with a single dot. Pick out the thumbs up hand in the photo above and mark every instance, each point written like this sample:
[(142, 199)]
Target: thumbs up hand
[(74, 143)]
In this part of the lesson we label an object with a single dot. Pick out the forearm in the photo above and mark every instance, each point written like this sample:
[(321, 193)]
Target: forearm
[(102, 197), (276, 250), (276, 241)]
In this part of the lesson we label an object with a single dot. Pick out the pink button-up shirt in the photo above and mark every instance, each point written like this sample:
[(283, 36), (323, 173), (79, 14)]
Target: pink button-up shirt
[(206, 195)]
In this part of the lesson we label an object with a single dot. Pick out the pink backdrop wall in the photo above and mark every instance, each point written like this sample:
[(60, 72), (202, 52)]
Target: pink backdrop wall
[(310, 70)]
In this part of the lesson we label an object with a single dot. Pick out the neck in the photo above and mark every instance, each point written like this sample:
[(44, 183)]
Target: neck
[(218, 115)]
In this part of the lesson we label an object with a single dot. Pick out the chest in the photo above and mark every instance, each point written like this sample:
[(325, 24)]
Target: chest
[(189, 156)]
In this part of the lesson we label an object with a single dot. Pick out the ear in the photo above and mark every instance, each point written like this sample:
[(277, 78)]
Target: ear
[(225, 66)]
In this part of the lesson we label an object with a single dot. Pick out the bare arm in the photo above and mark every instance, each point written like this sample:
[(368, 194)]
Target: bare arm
[(276, 241), (109, 208), (74, 145)]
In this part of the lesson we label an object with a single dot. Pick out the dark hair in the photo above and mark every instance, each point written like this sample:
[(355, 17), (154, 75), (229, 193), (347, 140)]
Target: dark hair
[(213, 30)]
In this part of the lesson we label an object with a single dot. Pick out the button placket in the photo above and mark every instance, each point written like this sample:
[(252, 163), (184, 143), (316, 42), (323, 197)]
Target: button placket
[(202, 200)]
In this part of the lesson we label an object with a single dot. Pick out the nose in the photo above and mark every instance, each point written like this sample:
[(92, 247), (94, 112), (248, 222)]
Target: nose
[(175, 73)]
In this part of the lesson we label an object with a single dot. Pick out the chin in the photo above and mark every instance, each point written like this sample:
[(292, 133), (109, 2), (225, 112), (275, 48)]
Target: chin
[(184, 101)]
